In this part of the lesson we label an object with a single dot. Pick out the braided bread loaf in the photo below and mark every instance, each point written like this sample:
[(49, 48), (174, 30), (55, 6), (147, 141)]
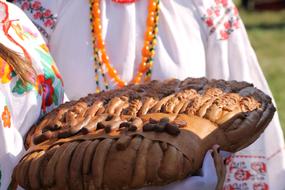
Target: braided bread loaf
[(141, 135)]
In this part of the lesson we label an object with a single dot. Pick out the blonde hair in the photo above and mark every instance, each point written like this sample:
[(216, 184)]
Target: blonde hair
[(21, 66)]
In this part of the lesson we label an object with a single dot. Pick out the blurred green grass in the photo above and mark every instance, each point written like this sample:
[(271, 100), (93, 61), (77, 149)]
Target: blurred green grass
[(266, 31)]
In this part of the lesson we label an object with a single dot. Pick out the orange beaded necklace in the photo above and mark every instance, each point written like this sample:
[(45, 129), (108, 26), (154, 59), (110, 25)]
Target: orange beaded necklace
[(101, 58)]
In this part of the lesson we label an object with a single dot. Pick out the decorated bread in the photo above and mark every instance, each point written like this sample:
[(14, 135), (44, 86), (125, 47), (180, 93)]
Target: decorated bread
[(141, 135)]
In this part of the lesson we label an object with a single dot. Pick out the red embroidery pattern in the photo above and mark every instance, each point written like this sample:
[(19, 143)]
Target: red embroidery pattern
[(6, 117), (223, 18), (246, 172), (3, 12), (6, 26), (47, 91), (38, 12)]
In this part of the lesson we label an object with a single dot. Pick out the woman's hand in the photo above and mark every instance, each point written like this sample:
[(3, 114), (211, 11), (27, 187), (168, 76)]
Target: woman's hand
[(220, 166)]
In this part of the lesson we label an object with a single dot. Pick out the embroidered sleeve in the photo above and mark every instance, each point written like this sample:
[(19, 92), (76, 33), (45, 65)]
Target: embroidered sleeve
[(48, 82), (246, 171), (221, 18), (42, 17), (229, 54)]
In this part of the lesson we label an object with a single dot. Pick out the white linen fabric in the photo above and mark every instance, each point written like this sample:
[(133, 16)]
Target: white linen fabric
[(196, 38), (21, 106)]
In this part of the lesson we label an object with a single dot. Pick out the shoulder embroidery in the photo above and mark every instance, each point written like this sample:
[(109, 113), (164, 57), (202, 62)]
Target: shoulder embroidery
[(43, 18), (42, 30), (222, 18)]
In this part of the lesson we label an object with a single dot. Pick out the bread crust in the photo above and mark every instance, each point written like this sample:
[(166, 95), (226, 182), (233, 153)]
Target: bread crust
[(141, 135)]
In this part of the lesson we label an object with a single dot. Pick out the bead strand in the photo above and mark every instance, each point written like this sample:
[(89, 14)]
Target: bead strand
[(97, 62), (153, 42), (101, 69), (98, 89), (101, 45), (148, 50)]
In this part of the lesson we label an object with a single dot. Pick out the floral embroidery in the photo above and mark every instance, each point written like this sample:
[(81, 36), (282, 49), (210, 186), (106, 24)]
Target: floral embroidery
[(50, 93), (44, 86), (48, 96), (223, 18), (246, 172), (258, 186), (6, 117), (6, 72), (38, 11), (23, 32), (42, 30), (44, 19), (20, 88)]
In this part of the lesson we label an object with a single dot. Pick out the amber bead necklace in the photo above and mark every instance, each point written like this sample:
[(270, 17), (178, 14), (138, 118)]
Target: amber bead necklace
[(101, 59)]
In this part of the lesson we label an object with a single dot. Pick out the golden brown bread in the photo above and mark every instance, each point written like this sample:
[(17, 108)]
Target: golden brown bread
[(141, 135)]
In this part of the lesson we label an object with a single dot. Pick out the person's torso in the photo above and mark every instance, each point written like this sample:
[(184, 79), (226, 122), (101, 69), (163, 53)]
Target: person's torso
[(180, 50)]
